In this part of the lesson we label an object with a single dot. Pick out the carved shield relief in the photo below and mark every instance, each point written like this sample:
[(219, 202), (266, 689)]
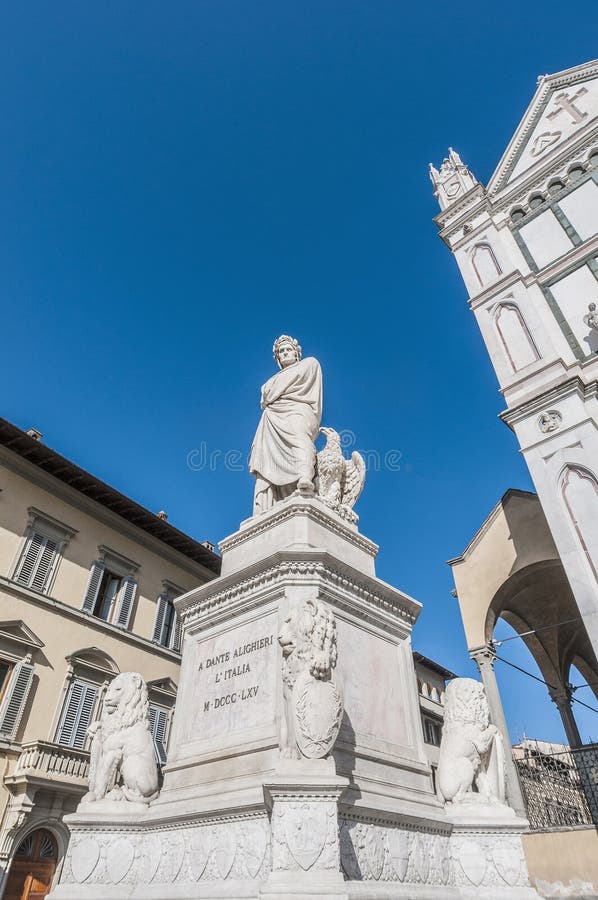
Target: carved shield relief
[(84, 858), (398, 849), (151, 855), (473, 861), (254, 846), (318, 706), (199, 845), (507, 860), (306, 826), (225, 851), (374, 851), (119, 858)]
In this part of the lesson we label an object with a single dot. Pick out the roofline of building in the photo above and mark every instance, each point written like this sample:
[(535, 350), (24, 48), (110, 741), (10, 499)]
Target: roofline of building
[(430, 664), (510, 492), (56, 465)]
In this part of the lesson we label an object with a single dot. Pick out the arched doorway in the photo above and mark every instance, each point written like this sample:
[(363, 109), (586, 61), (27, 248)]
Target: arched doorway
[(33, 866)]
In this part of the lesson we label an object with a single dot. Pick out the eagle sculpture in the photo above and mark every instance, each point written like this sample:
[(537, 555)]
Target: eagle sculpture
[(339, 480)]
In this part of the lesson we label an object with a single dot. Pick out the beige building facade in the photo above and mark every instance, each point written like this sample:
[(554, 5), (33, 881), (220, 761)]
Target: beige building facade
[(87, 582), (431, 685)]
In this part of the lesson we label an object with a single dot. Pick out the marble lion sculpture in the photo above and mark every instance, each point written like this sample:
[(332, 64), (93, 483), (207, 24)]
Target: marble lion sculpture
[(122, 747), (471, 762), (313, 706)]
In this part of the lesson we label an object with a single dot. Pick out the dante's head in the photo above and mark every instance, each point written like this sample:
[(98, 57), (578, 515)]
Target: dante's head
[(286, 351)]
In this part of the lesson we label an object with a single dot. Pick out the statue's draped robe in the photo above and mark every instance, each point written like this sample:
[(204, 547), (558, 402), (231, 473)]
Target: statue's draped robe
[(283, 448)]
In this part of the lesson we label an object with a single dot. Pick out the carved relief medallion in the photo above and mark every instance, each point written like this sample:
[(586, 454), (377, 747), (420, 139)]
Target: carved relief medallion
[(507, 860), (398, 849), (119, 859), (550, 421), (318, 713), (473, 861), (306, 825), (84, 858)]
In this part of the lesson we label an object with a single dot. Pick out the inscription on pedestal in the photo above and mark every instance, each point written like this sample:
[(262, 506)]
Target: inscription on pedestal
[(235, 680)]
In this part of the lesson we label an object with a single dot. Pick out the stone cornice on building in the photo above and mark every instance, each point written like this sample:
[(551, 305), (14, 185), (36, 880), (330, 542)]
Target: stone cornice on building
[(29, 457), (92, 622), (539, 402)]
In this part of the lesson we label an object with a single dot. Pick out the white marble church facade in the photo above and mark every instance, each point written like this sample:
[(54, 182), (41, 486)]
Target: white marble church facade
[(527, 247)]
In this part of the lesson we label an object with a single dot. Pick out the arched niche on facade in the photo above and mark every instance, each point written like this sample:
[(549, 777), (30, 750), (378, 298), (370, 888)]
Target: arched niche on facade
[(514, 336), (579, 490), (485, 264)]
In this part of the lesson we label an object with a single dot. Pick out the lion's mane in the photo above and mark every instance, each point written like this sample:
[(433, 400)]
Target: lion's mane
[(133, 707), (308, 639), (465, 704)]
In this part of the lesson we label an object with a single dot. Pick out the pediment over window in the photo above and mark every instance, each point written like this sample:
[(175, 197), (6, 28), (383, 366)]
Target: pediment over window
[(164, 686), (93, 658), (17, 631)]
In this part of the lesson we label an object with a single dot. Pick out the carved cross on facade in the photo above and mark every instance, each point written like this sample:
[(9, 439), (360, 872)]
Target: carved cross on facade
[(567, 104)]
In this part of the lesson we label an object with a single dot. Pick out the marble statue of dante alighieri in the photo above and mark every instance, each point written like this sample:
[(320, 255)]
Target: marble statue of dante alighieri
[(283, 453)]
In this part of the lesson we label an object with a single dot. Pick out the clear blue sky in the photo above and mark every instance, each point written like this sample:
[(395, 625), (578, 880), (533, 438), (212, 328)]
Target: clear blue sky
[(181, 182)]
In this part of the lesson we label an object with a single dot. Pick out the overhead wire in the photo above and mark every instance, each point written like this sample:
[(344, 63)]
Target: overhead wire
[(542, 681)]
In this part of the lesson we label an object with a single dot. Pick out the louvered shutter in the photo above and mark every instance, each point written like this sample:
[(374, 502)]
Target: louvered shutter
[(28, 560), (126, 596), (93, 586), (158, 723), (45, 563), (177, 633), (77, 714), (13, 704), (36, 562), (161, 610)]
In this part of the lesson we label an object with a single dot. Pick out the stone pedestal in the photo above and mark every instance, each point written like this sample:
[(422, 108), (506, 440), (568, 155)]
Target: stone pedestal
[(487, 857), (303, 801), (235, 820)]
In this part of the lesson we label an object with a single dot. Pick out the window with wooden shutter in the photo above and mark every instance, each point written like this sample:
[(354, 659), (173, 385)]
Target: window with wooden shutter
[(158, 724), (161, 610), (93, 586), (36, 562), (15, 698), (77, 714), (126, 597), (167, 627)]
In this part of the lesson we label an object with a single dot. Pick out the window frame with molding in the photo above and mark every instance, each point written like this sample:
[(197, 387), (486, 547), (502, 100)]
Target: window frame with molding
[(110, 562), (41, 550), (90, 671)]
